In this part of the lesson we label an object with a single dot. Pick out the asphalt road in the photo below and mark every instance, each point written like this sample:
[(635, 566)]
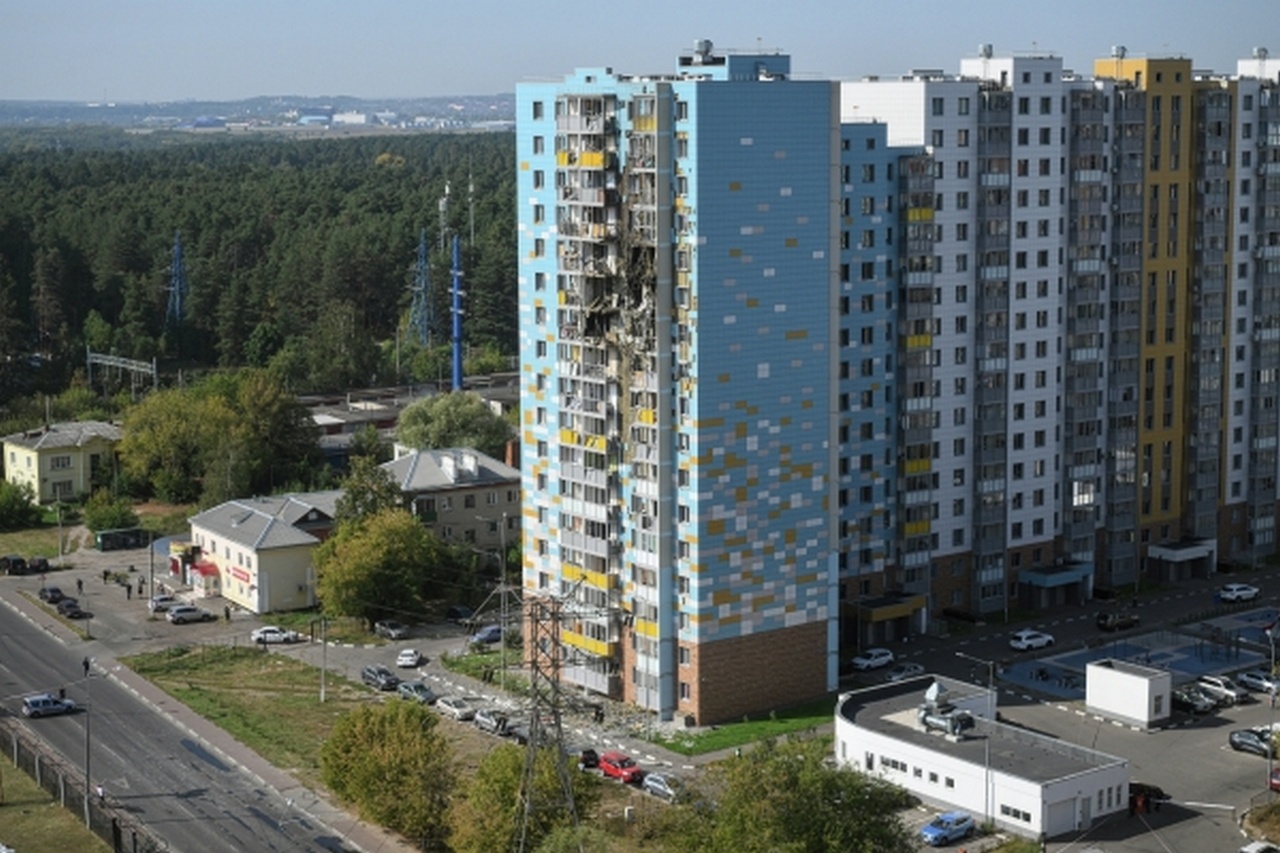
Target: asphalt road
[(147, 765)]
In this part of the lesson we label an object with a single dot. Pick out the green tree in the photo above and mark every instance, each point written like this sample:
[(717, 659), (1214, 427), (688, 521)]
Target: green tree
[(104, 512), (374, 566), (366, 491), (393, 763), (487, 816), (782, 796), (17, 512), (368, 442), (456, 419)]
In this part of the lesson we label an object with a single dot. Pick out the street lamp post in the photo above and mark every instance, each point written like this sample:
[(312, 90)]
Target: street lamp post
[(88, 717), (986, 751), (1271, 695)]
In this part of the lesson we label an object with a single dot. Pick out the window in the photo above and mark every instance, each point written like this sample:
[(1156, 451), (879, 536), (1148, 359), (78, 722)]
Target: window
[(962, 138), (539, 145), (937, 106), (962, 106), (59, 463), (935, 138), (539, 179), (537, 109)]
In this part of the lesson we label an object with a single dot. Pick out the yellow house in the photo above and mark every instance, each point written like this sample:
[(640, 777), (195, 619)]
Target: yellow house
[(58, 461), (257, 552)]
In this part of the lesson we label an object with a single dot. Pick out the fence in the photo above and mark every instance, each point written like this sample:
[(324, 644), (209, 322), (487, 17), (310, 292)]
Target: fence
[(66, 784)]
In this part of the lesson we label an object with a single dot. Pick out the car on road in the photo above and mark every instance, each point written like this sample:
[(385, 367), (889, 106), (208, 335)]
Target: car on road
[(459, 614), (903, 671), (1222, 689), (1237, 592), (872, 659), (662, 786), (391, 629), (457, 707), (1192, 699), (50, 594), (68, 607), (620, 766), (184, 613), (588, 758), (408, 658), (46, 705), (946, 828), (1117, 621), (379, 677), (417, 691), (13, 565), (1028, 639), (490, 720), (1257, 680), (161, 603), (274, 634), (1251, 740), (488, 634)]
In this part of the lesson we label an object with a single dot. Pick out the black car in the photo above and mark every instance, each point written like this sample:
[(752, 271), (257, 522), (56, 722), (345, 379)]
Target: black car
[(68, 607), (1151, 792), (36, 566), (1117, 621), (588, 759), (1249, 740), (50, 594), (380, 677), (13, 565), (459, 613)]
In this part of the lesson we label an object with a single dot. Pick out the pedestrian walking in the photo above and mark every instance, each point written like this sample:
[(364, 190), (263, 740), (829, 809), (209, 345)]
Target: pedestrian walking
[(79, 586), (106, 575), (139, 586), (128, 591), (85, 664), (102, 797), (226, 612)]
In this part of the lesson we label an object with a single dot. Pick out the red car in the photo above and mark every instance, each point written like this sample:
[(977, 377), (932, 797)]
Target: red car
[(621, 767)]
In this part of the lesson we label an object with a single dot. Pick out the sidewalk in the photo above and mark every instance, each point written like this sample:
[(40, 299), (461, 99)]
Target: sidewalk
[(353, 832)]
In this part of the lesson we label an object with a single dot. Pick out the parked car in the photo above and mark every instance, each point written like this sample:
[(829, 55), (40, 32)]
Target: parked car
[(1222, 689), (1274, 782), (417, 691), (872, 659), (1191, 698), (488, 634), (1257, 680), (46, 705), (1151, 792), (588, 758), (161, 603), (617, 765), (1251, 740), (490, 720), (50, 594), (946, 828), (459, 613), (1117, 621), (1237, 592), (408, 658), (379, 677), (391, 629), (67, 607), (35, 566), (274, 634), (183, 613), (1028, 639), (903, 671), (13, 565), (457, 707), (1259, 847), (663, 786)]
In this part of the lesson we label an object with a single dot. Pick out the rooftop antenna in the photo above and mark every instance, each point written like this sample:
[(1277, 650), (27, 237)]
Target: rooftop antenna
[(471, 206), (444, 216)]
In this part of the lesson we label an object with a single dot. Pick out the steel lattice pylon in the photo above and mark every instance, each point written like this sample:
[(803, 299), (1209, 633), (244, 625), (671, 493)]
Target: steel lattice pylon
[(177, 287), (420, 310)]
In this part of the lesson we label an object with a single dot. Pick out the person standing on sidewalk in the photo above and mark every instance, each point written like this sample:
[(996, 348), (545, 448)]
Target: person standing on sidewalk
[(85, 664), (79, 586)]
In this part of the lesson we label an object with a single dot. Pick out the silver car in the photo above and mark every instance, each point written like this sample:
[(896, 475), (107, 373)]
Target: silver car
[(457, 707)]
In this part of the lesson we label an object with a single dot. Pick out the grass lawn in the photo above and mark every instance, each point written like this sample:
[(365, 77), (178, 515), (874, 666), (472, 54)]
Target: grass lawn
[(803, 718), (269, 702), (1266, 821), (35, 542), (474, 664), (33, 822), (339, 630)]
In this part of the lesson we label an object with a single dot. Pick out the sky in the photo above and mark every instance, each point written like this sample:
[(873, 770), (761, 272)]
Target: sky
[(223, 50)]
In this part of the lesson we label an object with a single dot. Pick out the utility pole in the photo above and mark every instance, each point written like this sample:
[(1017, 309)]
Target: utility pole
[(88, 717)]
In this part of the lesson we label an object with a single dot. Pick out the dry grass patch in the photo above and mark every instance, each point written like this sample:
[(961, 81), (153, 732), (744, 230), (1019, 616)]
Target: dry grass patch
[(32, 820)]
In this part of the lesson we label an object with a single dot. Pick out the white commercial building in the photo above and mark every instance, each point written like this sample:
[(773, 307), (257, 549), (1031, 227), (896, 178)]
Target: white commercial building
[(1129, 692), (1022, 781)]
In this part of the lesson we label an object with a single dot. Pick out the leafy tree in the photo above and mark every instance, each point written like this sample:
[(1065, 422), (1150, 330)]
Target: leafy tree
[(373, 566), (368, 442), (575, 839), (487, 816), (783, 797), (367, 490), (104, 512), (393, 763), (17, 510), (457, 419)]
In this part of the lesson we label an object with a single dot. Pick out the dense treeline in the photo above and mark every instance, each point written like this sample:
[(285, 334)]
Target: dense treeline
[(299, 254)]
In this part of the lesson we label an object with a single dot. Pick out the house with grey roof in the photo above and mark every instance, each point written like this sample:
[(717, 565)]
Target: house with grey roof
[(462, 495), (257, 552), (58, 461)]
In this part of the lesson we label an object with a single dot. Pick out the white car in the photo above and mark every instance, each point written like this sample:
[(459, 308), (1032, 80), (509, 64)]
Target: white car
[(1237, 592), (456, 707), (161, 603), (1027, 639), (872, 659), (274, 634), (408, 658), (903, 671), (1257, 680)]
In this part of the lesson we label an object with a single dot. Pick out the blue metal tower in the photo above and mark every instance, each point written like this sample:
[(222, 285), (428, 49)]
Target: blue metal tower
[(421, 311), (176, 312)]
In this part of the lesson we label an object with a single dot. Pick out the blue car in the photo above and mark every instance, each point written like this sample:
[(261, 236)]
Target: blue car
[(946, 828), (488, 634)]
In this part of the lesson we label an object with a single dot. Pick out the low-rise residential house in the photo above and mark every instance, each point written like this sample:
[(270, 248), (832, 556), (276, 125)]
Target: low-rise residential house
[(58, 461), (462, 495), (258, 553)]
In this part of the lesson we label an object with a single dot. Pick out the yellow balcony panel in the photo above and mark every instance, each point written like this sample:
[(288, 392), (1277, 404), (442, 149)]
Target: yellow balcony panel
[(646, 628), (916, 466), (598, 580), (568, 436), (599, 648), (919, 341), (596, 442), (646, 124), (647, 416), (591, 159), (916, 528), (920, 214)]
